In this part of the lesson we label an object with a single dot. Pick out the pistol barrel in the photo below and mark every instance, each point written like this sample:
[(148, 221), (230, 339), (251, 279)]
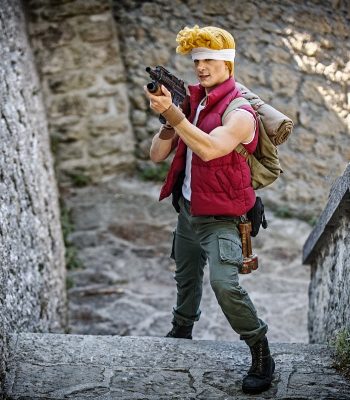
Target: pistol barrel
[(154, 88)]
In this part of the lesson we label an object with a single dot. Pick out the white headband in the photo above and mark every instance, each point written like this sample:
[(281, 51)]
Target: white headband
[(202, 53)]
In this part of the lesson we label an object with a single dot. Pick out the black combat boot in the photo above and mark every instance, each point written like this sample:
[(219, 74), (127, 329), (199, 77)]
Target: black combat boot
[(259, 376), (180, 331)]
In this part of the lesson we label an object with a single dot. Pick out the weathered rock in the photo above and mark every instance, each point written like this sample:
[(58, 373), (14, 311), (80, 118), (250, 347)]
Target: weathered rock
[(106, 367), (32, 270), (83, 75), (61, 83), (326, 250), (293, 55), (123, 236)]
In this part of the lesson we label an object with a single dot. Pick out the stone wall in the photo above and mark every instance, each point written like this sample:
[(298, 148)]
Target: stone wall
[(328, 251), (83, 78), (32, 273), (294, 54)]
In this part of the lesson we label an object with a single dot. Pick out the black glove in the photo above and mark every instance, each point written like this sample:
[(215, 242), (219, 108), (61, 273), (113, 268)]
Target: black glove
[(256, 216)]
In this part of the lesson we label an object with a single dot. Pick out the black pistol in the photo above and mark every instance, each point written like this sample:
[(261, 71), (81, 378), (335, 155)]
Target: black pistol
[(161, 76)]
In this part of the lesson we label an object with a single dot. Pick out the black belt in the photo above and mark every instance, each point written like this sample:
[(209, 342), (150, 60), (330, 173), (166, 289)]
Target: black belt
[(187, 203)]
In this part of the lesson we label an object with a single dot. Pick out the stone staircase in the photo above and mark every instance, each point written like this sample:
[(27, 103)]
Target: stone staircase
[(123, 236), (58, 366)]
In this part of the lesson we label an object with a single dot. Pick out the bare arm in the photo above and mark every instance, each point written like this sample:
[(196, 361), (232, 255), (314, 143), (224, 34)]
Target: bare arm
[(237, 128), (161, 148), (222, 140)]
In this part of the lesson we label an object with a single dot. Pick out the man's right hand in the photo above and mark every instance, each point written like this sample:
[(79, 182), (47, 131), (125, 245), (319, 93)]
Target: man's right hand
[(159, 104)]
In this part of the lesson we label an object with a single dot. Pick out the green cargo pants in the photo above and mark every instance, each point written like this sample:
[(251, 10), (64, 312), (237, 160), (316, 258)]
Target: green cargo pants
[(216, 239)]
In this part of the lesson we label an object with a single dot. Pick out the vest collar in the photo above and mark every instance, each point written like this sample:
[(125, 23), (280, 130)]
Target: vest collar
[(197, 92)]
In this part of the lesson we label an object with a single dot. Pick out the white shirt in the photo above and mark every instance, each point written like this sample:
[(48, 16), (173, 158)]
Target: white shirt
[(186, 186)]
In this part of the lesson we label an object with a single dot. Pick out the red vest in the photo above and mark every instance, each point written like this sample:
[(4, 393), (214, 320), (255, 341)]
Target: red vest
[(221, 186)]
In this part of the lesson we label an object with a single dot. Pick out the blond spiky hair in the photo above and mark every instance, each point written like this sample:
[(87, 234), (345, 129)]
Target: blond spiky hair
[(210, 37)]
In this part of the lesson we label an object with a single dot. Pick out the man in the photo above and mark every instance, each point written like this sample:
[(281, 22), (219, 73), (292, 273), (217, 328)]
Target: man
[(211, 187)]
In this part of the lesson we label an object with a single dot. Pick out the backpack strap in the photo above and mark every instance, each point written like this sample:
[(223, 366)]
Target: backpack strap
[(242, 150), (237, 103)]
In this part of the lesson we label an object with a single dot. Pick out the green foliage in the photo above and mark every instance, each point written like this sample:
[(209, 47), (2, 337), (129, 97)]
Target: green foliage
[(284, 212), (54, 142), (155, 172), (72, 260), (66, 222), (80, 179), (312, 220), (341, 345), (69, 283)]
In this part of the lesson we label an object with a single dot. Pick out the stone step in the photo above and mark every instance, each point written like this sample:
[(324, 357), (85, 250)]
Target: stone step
[(57, 366)]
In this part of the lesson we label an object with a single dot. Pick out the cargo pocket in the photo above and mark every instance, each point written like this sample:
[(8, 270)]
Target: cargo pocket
[(172, 254), (230, 249)]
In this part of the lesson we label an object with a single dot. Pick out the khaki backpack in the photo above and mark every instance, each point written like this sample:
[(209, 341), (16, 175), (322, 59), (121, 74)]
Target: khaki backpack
[(264, 162)]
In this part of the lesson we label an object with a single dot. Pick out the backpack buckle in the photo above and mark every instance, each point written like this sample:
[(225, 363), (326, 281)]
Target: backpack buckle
[(243, 152)]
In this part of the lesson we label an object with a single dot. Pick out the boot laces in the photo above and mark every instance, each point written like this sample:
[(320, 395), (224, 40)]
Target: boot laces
[(258, 358)]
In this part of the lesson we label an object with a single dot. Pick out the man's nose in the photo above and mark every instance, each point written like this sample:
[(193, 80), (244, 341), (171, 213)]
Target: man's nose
[(200, 64)]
